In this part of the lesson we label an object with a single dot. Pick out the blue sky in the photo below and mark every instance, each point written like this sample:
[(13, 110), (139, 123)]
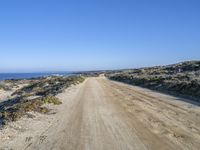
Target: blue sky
[(62, 35)]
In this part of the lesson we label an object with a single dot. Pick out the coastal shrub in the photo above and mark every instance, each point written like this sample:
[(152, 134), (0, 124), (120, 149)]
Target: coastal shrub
[(4, 87), (182, 79), (52, 100), (18, 110), (45, 88), (49, 86)]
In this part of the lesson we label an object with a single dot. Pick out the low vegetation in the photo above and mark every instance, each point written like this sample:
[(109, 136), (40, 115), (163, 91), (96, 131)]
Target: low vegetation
[(52, 100), (34, 96), (48, 86), (182, 78), (17, 110), (4, 87)]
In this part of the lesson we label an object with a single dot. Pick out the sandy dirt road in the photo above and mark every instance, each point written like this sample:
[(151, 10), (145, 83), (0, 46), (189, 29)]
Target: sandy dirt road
[(105, 115)]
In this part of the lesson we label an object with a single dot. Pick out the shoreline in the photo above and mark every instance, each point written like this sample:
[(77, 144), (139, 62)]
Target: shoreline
[(24, 76)]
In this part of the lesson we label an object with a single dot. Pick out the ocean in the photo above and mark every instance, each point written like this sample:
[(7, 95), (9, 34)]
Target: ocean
[(6, 76)]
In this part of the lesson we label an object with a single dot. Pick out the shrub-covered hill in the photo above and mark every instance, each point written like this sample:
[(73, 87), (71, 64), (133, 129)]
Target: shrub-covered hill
[(182, 78), (33, 96)]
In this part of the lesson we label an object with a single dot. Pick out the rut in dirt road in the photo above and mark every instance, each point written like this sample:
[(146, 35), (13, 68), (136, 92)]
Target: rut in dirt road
[(107, 115)]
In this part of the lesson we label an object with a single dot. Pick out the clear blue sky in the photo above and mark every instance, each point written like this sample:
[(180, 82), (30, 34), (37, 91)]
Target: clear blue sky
[(65, 35)]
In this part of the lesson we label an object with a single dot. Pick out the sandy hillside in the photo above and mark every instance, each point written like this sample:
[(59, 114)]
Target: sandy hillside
[(6, 94)]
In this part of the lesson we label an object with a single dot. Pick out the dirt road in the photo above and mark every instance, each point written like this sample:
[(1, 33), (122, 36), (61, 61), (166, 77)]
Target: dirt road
[(104, 115)]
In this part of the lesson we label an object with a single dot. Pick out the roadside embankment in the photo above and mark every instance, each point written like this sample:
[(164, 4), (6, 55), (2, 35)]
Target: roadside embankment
[(33, 96)]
